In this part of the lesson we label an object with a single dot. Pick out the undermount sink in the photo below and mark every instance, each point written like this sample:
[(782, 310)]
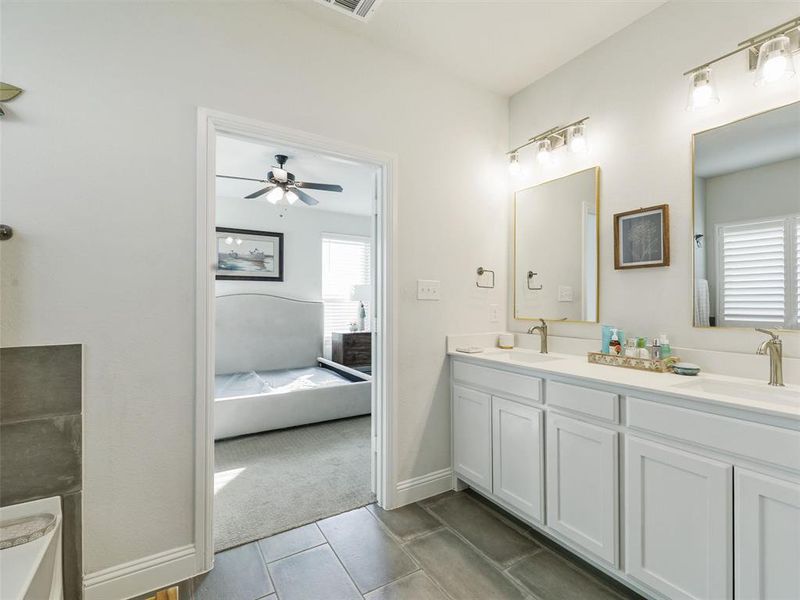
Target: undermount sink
[(783, 395), (524, 356)]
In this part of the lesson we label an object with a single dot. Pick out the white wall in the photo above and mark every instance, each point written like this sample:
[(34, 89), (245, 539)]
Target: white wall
[(631, 86), (98, 180), (302, 243)]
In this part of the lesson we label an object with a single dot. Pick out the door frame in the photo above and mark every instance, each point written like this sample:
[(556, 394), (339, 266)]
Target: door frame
[(384, 323)]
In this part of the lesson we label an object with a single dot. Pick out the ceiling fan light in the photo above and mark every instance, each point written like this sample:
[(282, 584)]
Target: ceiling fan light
[(279, 174), (774, 61), (291, 196), (275, 196), (702, 91), (543, 155)]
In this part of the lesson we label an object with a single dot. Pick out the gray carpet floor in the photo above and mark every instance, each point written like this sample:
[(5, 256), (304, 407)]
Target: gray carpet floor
[(269, 482)]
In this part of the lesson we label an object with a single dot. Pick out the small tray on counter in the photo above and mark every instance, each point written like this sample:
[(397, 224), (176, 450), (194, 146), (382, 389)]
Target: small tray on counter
[(629, 362)]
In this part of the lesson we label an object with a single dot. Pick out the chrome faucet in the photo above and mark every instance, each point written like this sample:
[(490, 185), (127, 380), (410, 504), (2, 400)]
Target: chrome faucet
[(542, 329), (774, 347)]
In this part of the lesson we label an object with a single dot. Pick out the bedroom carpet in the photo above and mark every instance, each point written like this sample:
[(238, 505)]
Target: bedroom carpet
[(270, 482)]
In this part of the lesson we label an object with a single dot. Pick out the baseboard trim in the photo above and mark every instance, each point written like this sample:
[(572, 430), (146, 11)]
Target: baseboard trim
[(424, 486), (142, 575)]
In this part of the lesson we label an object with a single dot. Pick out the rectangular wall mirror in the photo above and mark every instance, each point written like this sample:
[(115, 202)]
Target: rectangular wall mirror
[(747, 222), (555, 248)]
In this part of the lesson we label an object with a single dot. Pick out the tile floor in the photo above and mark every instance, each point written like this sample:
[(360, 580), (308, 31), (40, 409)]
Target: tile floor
[(454, 546)]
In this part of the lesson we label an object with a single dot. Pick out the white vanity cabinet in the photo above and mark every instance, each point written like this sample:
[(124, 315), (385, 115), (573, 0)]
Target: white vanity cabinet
[(517, 439), (678, 521), (472, 435), (767, 536), (582, 488)]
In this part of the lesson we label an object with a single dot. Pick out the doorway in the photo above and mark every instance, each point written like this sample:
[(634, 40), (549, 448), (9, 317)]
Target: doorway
[(355, 271)]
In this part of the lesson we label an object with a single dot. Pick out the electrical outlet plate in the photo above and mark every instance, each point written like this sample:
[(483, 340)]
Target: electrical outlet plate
[(565, 293), (428, 289)]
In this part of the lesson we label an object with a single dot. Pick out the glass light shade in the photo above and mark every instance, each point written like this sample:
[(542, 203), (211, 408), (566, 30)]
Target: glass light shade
[(229, 240), (702, 91), (577, 139), (513, 164), (543, 154), (291, 196), (774, 61), (274, 196)]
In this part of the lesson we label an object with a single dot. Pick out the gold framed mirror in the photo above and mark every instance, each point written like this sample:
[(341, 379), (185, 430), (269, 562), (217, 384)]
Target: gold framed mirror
[(556, 243), (746, 222)]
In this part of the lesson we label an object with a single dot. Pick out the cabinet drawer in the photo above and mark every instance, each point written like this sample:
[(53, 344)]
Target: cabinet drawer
[(523, 386), (774, 445), (603, 405)]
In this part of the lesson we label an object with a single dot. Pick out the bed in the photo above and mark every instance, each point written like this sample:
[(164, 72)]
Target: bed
[(269, 369)]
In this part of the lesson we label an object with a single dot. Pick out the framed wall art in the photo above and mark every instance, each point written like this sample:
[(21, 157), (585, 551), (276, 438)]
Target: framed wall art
[(249, 255)]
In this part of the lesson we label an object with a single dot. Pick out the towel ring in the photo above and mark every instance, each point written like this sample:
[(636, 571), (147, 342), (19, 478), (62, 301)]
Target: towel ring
[(482, 271), (528, 282)]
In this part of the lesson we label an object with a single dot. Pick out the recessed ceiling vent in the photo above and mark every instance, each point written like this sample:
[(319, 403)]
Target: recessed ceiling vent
[(358, 9)]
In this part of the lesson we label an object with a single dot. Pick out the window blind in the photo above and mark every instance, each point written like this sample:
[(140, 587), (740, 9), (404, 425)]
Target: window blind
[(346, 263), (758, 272)]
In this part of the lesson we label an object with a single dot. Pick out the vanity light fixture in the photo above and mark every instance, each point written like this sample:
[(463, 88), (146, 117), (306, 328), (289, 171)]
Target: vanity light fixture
[(770, 55), (513, 163), (572, 136)]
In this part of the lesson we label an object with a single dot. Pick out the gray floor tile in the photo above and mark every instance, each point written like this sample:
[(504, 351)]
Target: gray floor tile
[(370, 555), (416, 586), (460, 570), (406, 522), (238, 574), (311, 575), (484, 530), (290, 542), (550, 577)]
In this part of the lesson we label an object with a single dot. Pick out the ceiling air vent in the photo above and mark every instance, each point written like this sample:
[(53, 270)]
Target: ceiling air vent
[(358, 9)]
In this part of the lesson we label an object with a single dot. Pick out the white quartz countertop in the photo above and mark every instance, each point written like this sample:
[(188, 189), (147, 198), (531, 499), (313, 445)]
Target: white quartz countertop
[(736, 392)]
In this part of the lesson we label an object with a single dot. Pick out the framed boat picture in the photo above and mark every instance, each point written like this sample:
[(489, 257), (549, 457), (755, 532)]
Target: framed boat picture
[(641, 238), (249, 255)]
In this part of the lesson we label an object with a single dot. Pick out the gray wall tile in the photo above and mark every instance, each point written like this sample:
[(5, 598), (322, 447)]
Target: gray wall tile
[(40, 458), (39, 381)]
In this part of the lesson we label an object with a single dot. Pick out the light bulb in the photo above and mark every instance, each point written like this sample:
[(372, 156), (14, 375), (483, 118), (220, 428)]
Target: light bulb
[(291, 196), (702, 92), (274, 196), (239, 241), (577, 139), (229, 240), (774, 61), (513, 164), (543, 155)]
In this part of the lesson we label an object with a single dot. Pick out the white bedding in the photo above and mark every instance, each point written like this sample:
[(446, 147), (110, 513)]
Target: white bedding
[(274, 382)]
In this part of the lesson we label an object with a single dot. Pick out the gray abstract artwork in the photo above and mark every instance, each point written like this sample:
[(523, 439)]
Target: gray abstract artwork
[(641, 238)]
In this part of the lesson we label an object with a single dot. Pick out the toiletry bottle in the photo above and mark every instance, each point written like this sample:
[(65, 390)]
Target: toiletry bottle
[(641, 347), (614, 347), (606, 339), (655, 350), (666, 349), (631, 351)]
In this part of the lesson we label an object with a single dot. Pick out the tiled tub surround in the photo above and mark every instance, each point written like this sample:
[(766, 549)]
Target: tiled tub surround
[(40, 438), (676, 491)]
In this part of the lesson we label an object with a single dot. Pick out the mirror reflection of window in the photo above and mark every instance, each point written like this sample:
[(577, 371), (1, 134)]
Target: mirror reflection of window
[(555, 253), (747, 222)]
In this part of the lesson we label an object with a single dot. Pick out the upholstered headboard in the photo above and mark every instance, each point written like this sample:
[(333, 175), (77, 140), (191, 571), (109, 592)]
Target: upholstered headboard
[(261, 332)]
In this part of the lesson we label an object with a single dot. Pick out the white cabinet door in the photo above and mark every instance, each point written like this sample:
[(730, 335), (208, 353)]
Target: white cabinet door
[(517, 453), (678, 521), (582, 490), (767, 546), (472, 436)]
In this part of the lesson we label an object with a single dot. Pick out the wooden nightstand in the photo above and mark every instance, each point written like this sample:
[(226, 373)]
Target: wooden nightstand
[(352, 349)]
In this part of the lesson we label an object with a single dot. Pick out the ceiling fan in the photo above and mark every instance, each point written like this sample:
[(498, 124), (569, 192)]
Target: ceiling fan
[(282, 184)]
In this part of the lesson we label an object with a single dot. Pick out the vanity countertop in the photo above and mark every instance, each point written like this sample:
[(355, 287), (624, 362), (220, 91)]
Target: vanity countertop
[(735, 392)]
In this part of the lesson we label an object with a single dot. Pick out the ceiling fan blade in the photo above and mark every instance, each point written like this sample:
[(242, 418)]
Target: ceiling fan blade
[(260, 192), (242, 178), (328, 187), (305, 197)]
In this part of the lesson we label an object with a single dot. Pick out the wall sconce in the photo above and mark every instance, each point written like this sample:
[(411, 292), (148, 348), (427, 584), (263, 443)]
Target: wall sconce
[(770, 55), (572, 136)]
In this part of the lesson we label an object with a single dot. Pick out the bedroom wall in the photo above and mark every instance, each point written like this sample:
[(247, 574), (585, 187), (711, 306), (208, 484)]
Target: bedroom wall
[(302, 240), (631, 86), (98, 181)]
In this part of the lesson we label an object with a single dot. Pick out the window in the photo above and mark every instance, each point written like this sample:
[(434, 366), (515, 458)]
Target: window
[(346, 264), (758, 267)]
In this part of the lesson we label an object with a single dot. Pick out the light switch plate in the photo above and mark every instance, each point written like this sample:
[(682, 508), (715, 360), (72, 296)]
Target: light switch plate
[(565, 293), (428, 289), (494, 313)]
